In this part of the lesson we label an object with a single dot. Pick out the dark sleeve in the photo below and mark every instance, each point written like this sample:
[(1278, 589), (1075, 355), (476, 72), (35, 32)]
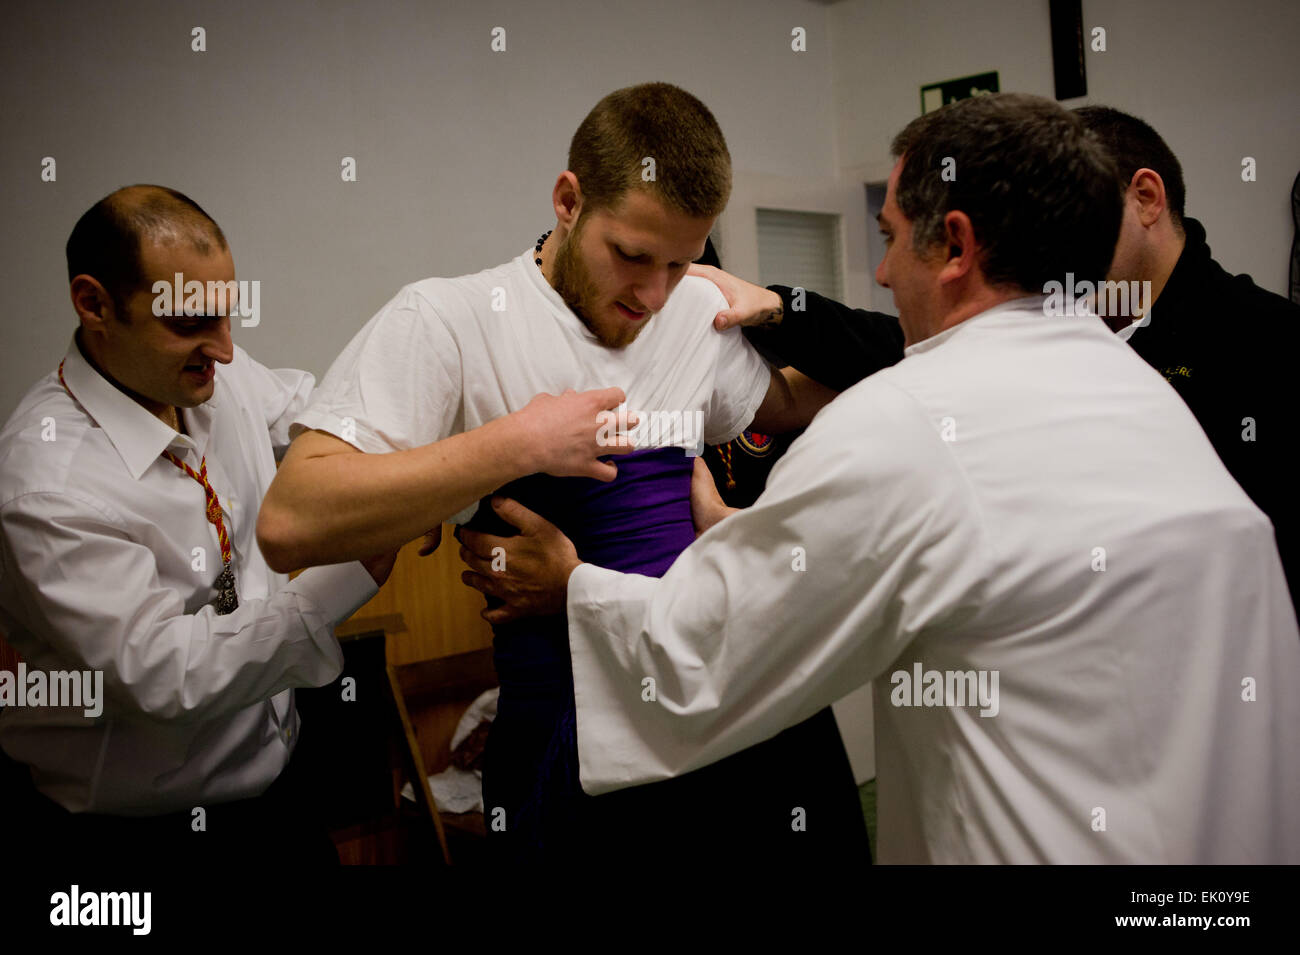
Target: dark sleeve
[(829, 342), (1259, 385)]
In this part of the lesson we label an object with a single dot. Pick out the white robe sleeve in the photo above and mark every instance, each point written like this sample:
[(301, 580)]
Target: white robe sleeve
[(865, 536)]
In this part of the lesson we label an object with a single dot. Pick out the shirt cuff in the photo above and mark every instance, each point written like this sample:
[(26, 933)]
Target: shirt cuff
[(778, 338), (338, 590), (601, 606), (586, 583)]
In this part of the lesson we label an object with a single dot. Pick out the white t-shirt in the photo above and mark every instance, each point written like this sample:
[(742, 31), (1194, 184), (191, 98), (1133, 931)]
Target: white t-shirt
[(449, 355)]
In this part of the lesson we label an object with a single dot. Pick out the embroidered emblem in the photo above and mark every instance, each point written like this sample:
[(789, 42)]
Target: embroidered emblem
[(759, 445)]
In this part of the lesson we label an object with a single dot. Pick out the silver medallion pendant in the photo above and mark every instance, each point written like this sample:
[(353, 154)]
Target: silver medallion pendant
[(227, 600)]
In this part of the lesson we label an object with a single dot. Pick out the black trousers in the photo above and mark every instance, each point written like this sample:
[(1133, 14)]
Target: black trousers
[(789, 801), (279, 827)]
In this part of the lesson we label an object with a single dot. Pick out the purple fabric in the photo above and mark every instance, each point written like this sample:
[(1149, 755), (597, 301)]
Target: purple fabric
[(637, 523)]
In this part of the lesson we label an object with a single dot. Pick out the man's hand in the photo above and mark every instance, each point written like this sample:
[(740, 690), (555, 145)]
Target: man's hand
[(380, 566), (707, 506), (529, 572), (749, 304), (570, 432)]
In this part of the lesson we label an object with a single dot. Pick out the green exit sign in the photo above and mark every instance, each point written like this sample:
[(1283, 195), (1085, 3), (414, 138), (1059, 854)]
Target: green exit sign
[(941, 94)]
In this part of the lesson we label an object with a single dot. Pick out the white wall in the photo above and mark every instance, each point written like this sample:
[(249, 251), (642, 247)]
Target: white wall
[(1219, 80), (457, 146)]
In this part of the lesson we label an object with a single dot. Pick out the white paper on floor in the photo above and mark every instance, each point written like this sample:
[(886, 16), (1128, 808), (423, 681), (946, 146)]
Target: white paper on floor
[(455, 789)]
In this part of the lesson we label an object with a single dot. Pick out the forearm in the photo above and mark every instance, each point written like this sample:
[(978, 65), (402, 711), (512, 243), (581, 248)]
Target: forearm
[(792, 402), (323, 509), (202, 666), (158, 660), (725, 644), (711, 516)]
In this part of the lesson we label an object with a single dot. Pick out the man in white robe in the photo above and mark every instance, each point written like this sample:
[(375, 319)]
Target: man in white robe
[(1076, 622)]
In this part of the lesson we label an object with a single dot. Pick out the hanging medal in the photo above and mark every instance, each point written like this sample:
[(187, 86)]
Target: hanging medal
[(227, 599)]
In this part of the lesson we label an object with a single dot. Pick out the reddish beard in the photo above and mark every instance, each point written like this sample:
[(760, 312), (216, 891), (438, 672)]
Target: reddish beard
[(571, 278)]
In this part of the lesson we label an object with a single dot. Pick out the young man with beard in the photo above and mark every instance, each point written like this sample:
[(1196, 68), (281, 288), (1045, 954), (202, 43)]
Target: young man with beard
[(428, 388)]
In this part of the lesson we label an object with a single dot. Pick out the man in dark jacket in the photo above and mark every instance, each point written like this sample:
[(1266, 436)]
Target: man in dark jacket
[(1219, 339)]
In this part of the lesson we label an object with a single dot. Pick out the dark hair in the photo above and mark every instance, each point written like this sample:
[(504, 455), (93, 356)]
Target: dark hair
[(1041, 194), (1134, 145), (710, 254), (692, 167), (106, 241)]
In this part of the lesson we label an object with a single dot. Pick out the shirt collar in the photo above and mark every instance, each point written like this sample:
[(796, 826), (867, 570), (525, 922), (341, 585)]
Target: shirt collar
[(1128, 331), (138, 436), (1028, 303)]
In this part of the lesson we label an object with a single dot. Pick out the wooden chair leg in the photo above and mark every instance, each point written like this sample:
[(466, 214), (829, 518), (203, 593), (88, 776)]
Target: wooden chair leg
[(423, 794)]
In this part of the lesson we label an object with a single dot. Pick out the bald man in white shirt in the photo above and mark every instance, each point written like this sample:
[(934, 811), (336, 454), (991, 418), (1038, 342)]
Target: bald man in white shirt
[(1076, 622), (131, 478)]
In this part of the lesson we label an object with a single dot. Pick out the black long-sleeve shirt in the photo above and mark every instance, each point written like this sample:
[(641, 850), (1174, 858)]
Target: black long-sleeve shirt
[(1226, 345), (831, 343)]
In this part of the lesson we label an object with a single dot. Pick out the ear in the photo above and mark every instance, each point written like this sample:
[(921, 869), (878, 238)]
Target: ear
[(566, 197), (1148, 189), (93, 304), (959, 252)]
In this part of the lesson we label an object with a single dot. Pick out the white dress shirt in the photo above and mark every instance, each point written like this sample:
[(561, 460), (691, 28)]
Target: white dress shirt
[(107, 562), (1020, 495)]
